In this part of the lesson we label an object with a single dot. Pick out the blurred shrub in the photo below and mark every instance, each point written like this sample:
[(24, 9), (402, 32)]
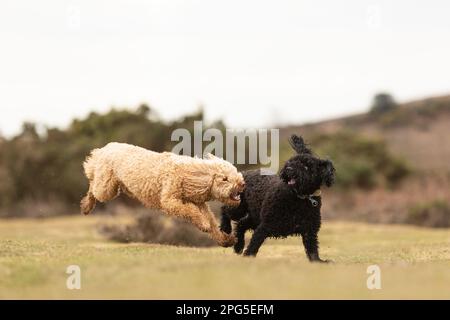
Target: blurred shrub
[(360, 161), (435, 214), (159, 228)]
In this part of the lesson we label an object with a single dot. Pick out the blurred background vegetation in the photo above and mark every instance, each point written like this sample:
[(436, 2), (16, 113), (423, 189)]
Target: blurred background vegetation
[(44, 168), (392, 164)]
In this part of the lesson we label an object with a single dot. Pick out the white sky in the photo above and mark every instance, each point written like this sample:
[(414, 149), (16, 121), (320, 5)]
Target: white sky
[(243, 60)]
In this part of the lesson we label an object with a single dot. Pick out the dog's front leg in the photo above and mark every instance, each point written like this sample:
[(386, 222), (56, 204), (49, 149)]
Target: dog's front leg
[(222, 238), (187, 211), (311, 244), (257, 240), (242, 226), (172, 204), (225, 224)]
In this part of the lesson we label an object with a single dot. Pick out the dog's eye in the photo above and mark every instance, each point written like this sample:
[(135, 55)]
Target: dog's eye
[(225, 179)]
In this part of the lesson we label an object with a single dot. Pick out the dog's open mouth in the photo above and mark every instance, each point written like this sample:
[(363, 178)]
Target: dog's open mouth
[(291, 182), (235, 196)]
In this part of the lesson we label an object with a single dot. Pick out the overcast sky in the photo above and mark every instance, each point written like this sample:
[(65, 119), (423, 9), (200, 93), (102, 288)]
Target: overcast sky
[(243, 60)]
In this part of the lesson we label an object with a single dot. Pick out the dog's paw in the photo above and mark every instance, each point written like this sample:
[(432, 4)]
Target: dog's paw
[(226, 229), (239, 247), (227, 240), (322, 261), (249, 254)]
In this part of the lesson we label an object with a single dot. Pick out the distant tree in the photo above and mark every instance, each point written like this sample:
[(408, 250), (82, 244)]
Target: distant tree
[(382, 102), (29, 131)]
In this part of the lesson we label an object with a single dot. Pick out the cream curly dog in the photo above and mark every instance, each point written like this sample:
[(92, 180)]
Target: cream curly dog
[(177, 185)]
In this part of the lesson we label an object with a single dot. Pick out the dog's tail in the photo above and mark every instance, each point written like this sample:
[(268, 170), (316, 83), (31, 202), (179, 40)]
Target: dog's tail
[(88, 202)]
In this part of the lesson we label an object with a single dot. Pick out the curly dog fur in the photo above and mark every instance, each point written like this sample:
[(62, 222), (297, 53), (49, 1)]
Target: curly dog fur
[(284, 205), (177, 185)]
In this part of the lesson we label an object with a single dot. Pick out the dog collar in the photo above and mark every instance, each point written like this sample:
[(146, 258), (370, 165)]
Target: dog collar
[(310, 197)]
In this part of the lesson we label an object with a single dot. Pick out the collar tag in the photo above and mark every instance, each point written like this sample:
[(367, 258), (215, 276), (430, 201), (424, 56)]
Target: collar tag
[(310, 197)]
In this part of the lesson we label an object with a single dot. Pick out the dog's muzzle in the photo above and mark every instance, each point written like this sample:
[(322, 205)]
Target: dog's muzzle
[(236, 193)]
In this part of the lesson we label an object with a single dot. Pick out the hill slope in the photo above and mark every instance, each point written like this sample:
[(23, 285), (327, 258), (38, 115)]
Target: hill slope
[(417, 130)]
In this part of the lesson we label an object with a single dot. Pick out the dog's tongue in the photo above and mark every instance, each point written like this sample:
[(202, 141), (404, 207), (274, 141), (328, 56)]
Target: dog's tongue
[(291, 182)]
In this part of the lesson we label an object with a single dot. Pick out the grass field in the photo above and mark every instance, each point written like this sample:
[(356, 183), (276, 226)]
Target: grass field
[(34, 255)]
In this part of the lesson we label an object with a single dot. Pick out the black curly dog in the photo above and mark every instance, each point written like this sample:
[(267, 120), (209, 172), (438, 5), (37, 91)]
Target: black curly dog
[(284, 205)]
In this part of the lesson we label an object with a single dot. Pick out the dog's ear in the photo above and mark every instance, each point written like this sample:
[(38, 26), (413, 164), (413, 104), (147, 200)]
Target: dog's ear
[(283, 173), (298, 144), (196, 182)]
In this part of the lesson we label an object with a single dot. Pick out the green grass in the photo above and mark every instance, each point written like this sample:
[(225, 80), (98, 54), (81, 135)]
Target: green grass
[(34, 255)]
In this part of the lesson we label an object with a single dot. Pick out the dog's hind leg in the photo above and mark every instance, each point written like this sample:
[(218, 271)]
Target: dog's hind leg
[(87, 203), (103, 187), (257, 240), (242, 226)]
